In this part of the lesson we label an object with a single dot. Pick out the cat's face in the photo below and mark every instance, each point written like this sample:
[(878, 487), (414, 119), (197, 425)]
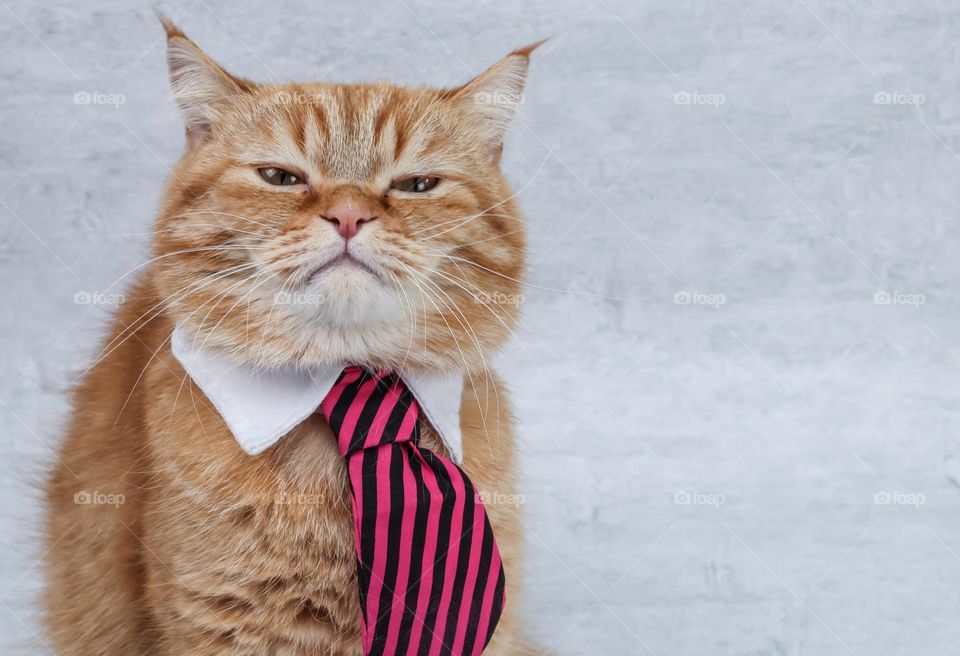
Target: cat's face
[(341, 223)]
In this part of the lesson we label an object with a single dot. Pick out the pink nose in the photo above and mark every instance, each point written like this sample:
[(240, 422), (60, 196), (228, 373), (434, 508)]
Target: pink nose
[(348, 216)]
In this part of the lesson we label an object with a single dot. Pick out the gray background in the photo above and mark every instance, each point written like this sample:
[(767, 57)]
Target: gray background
[(771, 468)]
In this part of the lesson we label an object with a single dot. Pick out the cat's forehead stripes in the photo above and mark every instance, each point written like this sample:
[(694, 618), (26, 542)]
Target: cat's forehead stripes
[(348, 132)]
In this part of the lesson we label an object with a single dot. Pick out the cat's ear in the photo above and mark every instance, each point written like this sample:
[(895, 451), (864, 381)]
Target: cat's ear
[(201, 87), (491, 98)]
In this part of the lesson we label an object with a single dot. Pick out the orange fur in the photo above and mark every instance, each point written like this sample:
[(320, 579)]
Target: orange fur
[(208, 550)]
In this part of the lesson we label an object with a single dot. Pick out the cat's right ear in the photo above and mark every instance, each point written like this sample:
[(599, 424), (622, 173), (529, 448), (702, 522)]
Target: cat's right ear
[(491, 98), (201, 87)]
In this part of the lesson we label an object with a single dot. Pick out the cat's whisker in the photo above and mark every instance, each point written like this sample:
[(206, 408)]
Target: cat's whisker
[(163, 304), (474, 294), (172, 254), (505, 200), (486, 430), (234, 216), (529, 284), (162, 345), (243, 297), (466, 325), (465, 220), (457, 311), (460, 221), (276, 298), (425, 294), (159, 307), (510, 331), (219, 298), (484, 240), (184, 229), (402, 293)]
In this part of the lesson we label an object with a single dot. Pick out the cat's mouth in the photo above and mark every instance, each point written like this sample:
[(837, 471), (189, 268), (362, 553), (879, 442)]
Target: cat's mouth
[(342, 261)]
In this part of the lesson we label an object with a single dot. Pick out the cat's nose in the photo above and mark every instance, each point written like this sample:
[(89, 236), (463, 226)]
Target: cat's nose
[(348, 216)]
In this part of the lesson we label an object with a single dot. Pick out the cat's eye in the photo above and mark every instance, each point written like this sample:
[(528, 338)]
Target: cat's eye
[(279, 177), (416, 184)]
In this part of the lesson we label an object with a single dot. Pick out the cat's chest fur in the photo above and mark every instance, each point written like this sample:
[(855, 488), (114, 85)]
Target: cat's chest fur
[(260, 547)]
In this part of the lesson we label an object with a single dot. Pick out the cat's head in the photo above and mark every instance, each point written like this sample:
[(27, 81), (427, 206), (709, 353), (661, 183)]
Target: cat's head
[(318, 223)]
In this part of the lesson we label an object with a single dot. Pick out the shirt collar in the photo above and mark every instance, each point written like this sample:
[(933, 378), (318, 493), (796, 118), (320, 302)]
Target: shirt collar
[(261, 405)]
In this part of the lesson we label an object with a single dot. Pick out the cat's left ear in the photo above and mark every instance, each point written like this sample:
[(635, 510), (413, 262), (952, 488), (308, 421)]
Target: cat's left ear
[(201, 87), (491, 98)]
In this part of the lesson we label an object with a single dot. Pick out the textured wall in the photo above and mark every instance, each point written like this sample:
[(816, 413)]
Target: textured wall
[(737, 369)]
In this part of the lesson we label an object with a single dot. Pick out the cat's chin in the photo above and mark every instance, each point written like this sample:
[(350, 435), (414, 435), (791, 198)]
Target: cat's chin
[(348, 296)]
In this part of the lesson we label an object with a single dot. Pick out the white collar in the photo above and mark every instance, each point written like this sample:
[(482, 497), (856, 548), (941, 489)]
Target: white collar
[(261, 405)]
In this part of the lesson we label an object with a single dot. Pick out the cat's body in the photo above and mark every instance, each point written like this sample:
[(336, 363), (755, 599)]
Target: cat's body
[(212, 551), (164, 536)]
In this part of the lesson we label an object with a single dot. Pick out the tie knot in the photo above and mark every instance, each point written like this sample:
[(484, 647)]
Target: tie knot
[(366, 409)]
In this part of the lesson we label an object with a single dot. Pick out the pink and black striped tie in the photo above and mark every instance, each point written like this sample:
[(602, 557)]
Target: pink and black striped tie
[(429, 572)]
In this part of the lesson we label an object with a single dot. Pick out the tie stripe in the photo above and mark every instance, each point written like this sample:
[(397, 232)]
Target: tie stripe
[(442, 549), (367, 520), (404, 561), (430, 551), (416, 553), (471, 546), (429, 574), (391, 550), (479, 588), (457, 563), (394, 401)]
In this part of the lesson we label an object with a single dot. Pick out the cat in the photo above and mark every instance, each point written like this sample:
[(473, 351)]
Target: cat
[(198, 549)]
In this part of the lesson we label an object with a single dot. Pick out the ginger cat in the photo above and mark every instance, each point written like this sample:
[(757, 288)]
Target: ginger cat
[(201, 550)]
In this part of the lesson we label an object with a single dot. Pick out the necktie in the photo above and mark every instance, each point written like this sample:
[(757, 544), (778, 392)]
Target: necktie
[(429, 572)]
